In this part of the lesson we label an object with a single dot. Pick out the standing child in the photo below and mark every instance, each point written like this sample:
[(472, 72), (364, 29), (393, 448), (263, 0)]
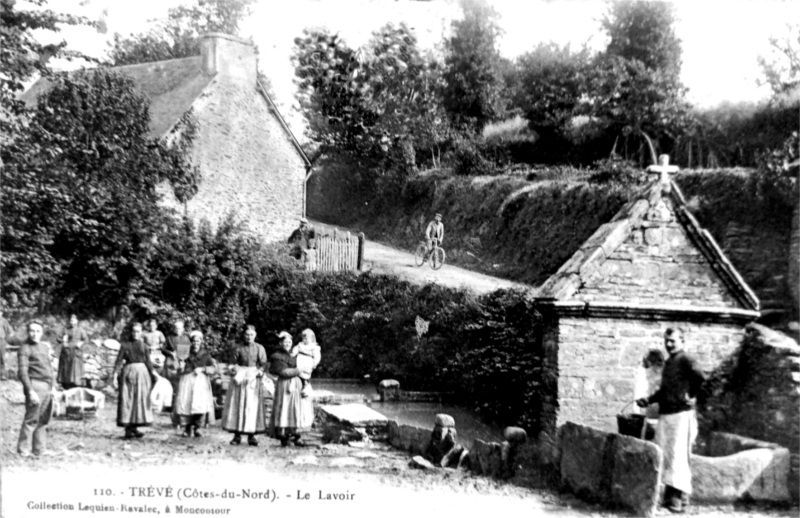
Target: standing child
[(308, 354)]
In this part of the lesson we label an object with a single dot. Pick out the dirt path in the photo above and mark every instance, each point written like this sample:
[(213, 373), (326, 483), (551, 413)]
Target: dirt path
[(383, 259), (93, 466)]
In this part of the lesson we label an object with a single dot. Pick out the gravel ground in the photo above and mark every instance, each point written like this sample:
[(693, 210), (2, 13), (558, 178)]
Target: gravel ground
[(89, 456)]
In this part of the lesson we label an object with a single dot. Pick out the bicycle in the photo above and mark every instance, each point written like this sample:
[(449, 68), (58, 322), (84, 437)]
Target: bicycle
[(435, 256)]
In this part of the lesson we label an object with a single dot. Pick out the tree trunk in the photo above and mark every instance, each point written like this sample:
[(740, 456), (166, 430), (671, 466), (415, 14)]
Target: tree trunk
[(794, 258)]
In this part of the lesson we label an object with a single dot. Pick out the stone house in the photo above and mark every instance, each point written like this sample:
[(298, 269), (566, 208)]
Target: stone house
[(250, 162), (651, 267)]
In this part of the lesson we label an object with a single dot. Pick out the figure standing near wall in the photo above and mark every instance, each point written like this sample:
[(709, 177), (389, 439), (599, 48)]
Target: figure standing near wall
[(6, 332), (681, 381), (303, 238), (70, 360)]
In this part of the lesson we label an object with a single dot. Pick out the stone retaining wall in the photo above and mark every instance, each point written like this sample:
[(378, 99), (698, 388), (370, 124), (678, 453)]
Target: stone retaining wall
[(762, 396)]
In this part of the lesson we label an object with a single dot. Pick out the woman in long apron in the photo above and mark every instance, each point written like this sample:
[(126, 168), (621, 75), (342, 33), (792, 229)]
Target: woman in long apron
[(70, 360), (292, 413), (195, 402), (244, 402)]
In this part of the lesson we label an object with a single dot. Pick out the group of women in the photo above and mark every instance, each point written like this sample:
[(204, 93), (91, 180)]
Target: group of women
[(243, 412)]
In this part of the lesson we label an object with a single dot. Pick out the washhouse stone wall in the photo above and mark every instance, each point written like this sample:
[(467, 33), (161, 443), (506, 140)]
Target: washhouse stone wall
[(598, 359), (657, 264)]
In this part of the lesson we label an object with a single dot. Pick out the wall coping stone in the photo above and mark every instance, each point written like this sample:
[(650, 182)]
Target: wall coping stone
[(598, 309)]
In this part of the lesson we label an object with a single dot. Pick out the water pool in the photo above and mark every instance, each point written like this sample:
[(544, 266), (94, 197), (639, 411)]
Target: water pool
[(468, 425)]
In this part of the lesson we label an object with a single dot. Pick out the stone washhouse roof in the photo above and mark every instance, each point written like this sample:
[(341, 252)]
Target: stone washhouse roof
[(172, 86), (563, 287)]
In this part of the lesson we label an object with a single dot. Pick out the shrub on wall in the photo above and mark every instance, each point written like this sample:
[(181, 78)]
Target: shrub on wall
[(466, 159)]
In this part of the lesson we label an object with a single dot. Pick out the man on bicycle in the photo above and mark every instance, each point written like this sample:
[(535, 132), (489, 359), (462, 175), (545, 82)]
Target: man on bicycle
[(435, 231)]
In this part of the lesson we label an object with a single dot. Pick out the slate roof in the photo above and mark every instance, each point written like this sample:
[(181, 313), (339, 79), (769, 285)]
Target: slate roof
[(593, 252), (172, 86)]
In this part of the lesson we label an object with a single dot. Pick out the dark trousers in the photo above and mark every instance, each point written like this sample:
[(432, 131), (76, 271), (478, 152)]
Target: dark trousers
[(37, 417), (3, 373)]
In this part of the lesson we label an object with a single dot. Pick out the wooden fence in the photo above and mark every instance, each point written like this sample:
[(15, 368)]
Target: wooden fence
[(336, 252)]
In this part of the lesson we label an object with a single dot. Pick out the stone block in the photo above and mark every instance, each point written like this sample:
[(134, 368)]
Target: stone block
[(412, 439), (420, 462), (636, 474), (592, 262), (355, 415), (560, 286), (574, 263), (389, 390), (351, 423), (721, 444), (760, 474), (486, 458), (582, 461), (444, 420), (653, 236), (515, 435), (387, 384)]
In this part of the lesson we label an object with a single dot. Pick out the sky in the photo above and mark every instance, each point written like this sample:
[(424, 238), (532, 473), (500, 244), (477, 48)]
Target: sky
[(721, 39)]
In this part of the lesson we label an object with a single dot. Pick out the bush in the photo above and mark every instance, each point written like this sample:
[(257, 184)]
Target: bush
[(467, 159), (617, 169)]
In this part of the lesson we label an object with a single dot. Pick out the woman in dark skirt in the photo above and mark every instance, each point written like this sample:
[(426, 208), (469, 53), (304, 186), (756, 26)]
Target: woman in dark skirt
[(134, 377), (195, 402), (70, 361), (292, 414)]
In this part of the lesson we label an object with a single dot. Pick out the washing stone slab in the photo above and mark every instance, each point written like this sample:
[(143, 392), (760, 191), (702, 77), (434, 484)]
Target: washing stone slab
[(351, 423), (354, 414)]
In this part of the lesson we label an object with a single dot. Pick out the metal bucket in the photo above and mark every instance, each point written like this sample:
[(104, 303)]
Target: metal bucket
[(634, 426)]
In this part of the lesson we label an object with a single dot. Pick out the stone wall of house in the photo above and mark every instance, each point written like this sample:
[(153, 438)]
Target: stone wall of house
[(657, 264), (598, 360), (247, 161)]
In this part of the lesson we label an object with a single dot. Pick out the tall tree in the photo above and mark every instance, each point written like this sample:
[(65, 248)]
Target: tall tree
[(80, 204), (380, 99), (550, 86), (644, 32), (473, 85), (782, 68), (178, 35), (22, 56), (635, 88)]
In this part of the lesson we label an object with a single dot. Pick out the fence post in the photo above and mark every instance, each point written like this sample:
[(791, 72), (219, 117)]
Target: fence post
[(361, 239)]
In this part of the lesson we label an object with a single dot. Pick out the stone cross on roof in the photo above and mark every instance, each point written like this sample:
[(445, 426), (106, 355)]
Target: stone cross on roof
[(663, 169)]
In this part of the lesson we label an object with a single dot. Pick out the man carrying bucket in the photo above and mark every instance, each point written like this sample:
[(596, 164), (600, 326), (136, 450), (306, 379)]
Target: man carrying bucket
[(677, 425)]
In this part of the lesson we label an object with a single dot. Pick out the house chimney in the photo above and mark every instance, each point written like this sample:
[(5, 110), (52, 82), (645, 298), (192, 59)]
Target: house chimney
[(230, 57)]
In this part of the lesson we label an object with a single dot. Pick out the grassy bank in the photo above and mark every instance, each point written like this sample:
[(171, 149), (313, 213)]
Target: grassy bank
[(523, 227)]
